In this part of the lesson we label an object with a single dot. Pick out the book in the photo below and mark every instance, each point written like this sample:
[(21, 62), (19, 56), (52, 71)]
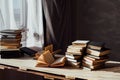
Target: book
[(74, 51), (10, 54), (11, 37), (71, 56), (10, 40), (8, 47), (73, 60), (49, 47), (97, 57), (12, 31), (73, 64), (92, 61), (47, 60), (80, 42), (98, 66), (9, 34), (10, 44), (96, 45), (28, 51), (102, 52), (76, 47)]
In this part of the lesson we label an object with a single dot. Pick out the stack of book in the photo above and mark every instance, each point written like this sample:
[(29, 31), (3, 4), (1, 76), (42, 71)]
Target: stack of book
[(96, 56), (75, 52), (10, 42)]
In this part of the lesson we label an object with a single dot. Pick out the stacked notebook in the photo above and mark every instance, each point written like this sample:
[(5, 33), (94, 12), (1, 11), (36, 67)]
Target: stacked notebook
[(10, 42), (96, 56), (75, 52)]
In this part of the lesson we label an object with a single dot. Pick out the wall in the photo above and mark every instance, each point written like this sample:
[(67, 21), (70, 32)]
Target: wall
[(98, 20)]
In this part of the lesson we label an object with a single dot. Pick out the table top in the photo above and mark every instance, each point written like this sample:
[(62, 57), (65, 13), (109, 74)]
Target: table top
[(111, 72)]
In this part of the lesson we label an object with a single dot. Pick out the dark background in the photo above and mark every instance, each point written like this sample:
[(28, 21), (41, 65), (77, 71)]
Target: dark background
[(98, 20)]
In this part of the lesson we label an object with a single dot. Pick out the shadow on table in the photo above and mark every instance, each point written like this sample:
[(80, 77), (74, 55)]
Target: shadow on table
[(112, 67)]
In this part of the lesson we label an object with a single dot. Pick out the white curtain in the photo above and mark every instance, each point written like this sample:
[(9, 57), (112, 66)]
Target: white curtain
[(30, 18)]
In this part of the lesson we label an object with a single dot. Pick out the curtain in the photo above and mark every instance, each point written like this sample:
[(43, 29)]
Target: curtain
[(27, 14), (58, 17)]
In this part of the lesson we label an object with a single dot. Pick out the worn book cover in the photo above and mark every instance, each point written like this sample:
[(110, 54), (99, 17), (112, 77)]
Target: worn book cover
[(11, 31), (102, 52), (82, 43), (96, 45), (93, 61)]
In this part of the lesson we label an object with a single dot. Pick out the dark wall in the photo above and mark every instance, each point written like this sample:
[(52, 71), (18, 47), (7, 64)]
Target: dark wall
[(98, 20)]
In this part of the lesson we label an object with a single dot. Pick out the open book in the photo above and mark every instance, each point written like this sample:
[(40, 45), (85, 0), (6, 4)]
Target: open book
[(47, 59)]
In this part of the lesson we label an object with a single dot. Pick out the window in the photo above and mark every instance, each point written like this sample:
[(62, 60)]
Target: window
[(15, 14)]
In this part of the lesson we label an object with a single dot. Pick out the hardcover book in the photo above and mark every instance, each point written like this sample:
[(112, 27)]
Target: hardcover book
[(102, 52), (71, 56), (80, 42), (92, 61), (11, 31), (97, 57), (96, 45), (98, 66)]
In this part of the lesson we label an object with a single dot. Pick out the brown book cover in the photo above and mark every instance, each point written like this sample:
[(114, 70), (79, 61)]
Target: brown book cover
[(94, 61), (73, 64), (9, 47), (93, 67), (102, 52), (10, 40)]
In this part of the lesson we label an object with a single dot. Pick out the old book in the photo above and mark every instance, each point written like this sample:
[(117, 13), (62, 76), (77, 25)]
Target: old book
[(92, 61), (96, 45), (73, 64), (102, 52), (28, 51), (80, 42), (93, 67), (71, 56), (76, 47), (74, 60), (97, 57), (8, 34), (11, 37), (11, 54), (12, 31), (10, 43), (49, 47), (47, 59), (74, 51), (17, 49), (10, 40), (9, 47)]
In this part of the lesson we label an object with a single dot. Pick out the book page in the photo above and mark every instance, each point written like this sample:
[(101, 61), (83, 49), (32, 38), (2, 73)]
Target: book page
[(45, 59), (59, 61)]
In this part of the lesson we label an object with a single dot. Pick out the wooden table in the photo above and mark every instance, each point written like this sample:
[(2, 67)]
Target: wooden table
[(111, 72)]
